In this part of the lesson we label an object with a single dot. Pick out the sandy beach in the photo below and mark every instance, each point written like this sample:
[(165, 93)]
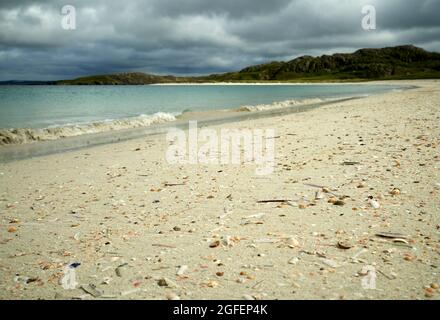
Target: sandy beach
[(129, 225)]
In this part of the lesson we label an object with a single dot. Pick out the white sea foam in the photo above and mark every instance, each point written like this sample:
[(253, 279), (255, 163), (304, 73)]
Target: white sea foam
[(280, 104), (26, 135)]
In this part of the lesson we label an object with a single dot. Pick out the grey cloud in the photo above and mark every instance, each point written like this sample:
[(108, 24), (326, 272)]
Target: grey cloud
[(232, 8), (196, 36)]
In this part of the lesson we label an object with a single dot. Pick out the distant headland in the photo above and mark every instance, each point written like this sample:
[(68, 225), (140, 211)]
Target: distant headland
[(391, 63)]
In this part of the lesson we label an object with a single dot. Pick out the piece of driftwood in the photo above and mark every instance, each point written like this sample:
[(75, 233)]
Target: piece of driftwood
[(274, 201), (391, 235), (350, 163), (173, 184)]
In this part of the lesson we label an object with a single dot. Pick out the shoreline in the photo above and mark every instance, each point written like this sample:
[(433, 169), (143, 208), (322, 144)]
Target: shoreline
[(13, 152), (85, 135), (274, 83)]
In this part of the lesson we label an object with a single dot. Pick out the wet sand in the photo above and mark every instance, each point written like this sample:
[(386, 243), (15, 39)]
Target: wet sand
[(132, 220)]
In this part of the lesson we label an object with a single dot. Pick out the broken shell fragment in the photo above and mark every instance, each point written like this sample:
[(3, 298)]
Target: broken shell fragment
[(319, 195), (119, 270), (182, 269), (293, 261), (227, 241), (302, 206), (395, 192), (344, 245), (172, 296), (214, 244), (374, 204), (292, 242), (400, 240), (211, 284)]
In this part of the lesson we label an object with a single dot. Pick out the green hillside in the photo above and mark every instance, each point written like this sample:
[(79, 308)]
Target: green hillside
[(402, 62)]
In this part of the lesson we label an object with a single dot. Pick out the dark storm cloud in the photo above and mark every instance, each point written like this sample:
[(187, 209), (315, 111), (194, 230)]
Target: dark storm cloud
[(232, 8), (196, 36)]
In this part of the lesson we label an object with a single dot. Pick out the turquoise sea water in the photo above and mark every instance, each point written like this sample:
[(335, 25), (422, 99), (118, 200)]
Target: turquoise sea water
[(49, 106)]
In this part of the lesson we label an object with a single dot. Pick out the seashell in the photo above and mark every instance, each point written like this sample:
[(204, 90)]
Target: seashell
[(172, 296), (408, 257), (400, 240), (395, 192), (214, 244), (227, 241), (248, 297), (294, 260), (292, 241), (302, 205), (332, 200), (344, 245), (319, 195), (212, 284), (119, 270), (182, 269), (373, 203)]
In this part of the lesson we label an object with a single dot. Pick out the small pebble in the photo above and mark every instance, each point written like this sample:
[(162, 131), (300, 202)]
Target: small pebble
[(164, 282)]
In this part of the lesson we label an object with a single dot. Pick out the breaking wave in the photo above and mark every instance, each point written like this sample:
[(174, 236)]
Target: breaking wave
[(279, 105), (29, 135), (26, 135)]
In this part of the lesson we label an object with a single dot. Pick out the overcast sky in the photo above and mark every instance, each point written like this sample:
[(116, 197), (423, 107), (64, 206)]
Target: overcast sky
[(196, 36)]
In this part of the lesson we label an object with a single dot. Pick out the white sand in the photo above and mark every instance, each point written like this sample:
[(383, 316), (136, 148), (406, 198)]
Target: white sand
[(108, 205)]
